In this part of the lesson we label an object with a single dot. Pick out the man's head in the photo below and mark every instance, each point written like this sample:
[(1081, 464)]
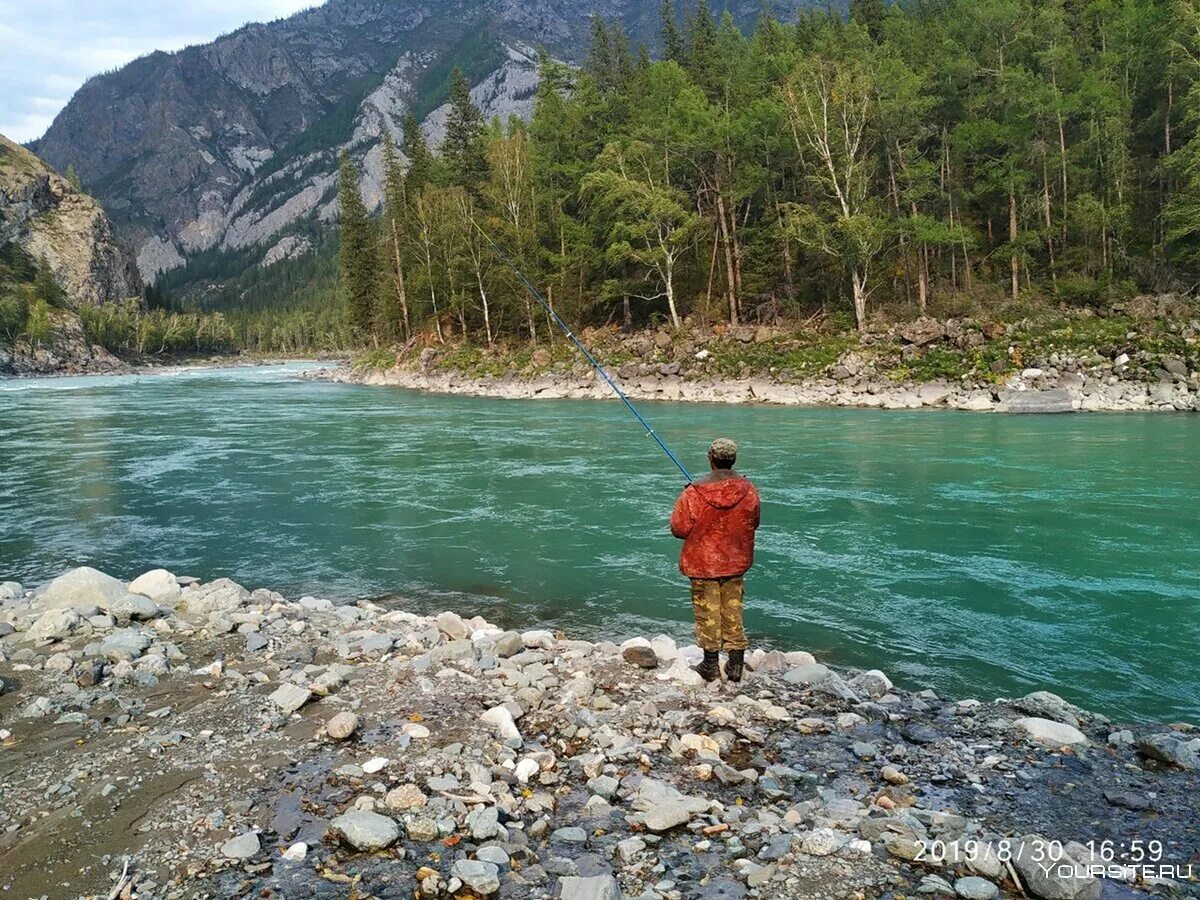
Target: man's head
[(722, 454)]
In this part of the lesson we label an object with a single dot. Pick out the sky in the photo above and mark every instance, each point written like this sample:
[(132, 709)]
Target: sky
[(48, 48)]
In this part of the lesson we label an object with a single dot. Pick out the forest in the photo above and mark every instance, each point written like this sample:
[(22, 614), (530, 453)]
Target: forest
[(929, 155)]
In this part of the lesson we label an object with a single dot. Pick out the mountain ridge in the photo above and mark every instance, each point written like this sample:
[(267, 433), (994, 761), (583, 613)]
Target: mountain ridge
[(233, 144)]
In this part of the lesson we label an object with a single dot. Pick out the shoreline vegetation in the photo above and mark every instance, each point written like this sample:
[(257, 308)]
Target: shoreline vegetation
[(171, 738), (1135, 358)]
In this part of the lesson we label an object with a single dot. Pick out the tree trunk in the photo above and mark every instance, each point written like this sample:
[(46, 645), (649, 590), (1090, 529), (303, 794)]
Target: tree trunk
[(487, 316), (1049, 224), (1014, 263), (858, 281), (627, 315), (731, 276), (669, 284), (400, 289)]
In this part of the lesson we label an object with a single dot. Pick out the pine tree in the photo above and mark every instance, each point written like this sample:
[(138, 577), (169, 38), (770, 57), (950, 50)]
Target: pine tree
[(464, 150), (45, 284), (673, 48), (420, 160), (357, 260), (73, 178), (870, 15), (600, 64)]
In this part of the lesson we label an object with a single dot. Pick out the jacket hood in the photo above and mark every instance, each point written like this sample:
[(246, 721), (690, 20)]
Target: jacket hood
[(724, 494)]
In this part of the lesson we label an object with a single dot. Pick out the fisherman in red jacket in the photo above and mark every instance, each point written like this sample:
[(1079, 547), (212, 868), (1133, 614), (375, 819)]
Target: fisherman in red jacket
[(716, 517)]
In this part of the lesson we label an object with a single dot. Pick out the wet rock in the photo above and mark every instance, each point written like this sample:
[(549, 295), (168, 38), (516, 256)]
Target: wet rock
[(341, 726), (365, 831), (290, 697), (1046, 705), (481, 877), (822, 679), (595, 887), (80, 588), (1062, 880), (973, 887), (1171, 748), (243, 846), (664, 807), (1052, 734), (158, 585)]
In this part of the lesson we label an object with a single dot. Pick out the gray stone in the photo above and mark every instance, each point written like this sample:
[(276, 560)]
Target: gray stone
[(603, 786), (484, 824), (132, 608), (1061, 880), (54, 625), (452, 625), (507, 644), (481, 877), (127, 643), (570, 835), (1051, 734), (821, 678), (1056, 400), (452, 651), (595, 887), (663, 807), (1048, 706), (1171, 748), (220, 596), (158, 585), (80, 588), (975, 888), (243, 846), (365, 831), (290, 697)]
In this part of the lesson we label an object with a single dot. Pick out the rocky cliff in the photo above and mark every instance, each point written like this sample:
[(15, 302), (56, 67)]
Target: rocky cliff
[(50, 219), (231, 147)]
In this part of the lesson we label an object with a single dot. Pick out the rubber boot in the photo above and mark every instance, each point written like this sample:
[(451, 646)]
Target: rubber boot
[(710, 668), (735, 665)]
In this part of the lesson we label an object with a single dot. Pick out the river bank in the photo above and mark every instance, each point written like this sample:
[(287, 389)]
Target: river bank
[(205, 740), (1118, 363)]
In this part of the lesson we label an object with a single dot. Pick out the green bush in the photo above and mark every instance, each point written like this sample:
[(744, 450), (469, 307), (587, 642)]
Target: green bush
[(38, 327), (14, 311)]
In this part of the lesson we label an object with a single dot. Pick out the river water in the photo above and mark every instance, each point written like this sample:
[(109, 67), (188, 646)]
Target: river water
[(981, 555)]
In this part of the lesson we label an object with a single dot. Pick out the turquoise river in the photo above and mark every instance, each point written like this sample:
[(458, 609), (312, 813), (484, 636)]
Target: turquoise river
[(980, 555)]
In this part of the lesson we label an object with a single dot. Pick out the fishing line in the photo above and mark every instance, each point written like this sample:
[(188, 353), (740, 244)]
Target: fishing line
[(584, 350)]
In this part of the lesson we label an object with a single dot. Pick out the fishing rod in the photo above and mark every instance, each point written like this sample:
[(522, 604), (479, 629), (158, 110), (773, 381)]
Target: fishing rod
[(584, 350)]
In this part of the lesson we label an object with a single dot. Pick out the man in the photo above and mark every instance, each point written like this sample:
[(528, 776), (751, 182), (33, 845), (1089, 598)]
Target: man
[(716, 517)]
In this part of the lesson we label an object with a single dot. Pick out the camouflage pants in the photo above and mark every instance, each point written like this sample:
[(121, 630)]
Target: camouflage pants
[(717, 604)]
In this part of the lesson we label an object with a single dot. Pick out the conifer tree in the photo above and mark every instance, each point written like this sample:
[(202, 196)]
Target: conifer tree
[(673, 47), (464, 148), (358, 262), (73, 177), (420, 160), (45, 284)]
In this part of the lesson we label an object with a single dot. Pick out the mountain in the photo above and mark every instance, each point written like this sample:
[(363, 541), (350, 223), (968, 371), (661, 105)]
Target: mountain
[(49, 219), (224, 155)]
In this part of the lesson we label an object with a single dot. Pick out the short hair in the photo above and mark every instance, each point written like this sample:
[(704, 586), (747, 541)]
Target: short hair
[(723, 453)]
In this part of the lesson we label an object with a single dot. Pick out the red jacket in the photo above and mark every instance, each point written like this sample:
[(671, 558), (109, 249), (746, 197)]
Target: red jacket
[(716, 517)]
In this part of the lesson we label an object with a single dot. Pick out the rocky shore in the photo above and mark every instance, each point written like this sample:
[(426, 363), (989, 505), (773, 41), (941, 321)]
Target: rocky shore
[(885, 369), (166, 738)]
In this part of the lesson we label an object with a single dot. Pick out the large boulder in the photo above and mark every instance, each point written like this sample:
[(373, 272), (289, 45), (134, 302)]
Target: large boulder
[(1171, 748), (218, 596), (365, 831), (1057, 400), (1051, 733), (80, 588), (159, 585), (54, 625)]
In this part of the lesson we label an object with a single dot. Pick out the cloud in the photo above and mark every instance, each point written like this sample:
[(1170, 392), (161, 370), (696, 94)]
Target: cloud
[(48, 49)]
